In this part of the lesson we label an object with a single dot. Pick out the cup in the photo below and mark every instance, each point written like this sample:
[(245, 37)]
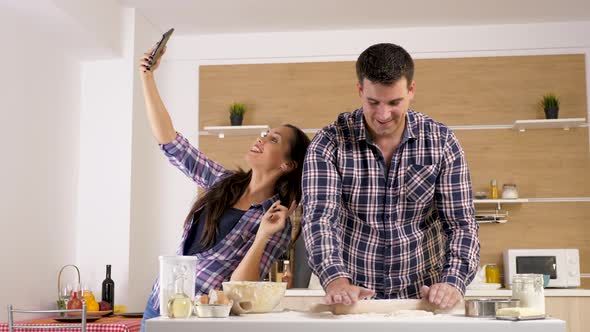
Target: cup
[(546, 279)]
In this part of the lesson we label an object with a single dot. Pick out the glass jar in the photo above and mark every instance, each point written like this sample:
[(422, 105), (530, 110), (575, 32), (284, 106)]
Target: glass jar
[(509, 191), (528, 288), (492, 274)]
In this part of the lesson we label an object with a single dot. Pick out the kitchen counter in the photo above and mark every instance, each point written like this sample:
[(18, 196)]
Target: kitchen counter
[(294, 321), (549, 292)]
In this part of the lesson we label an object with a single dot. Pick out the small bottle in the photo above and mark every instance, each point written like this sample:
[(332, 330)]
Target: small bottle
[(493, 189), (280, 270), (180, 304), (108, 289), (287, 275)]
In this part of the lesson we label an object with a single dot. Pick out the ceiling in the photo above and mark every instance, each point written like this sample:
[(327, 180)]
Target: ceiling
[(243, 16)]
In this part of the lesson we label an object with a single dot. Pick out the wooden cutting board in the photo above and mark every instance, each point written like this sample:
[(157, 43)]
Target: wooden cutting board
[(377, 306)]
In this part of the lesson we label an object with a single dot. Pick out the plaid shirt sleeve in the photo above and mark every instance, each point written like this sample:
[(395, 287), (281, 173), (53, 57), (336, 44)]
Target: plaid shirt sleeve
[(192, 162), (455, 207), (321, 201)]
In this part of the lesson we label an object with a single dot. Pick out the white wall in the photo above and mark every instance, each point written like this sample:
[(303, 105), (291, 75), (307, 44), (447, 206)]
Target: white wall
[(39, 96), (154, 232), (105, 167), (162, 195)]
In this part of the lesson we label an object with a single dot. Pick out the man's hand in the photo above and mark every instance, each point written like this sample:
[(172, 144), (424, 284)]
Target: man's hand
[(341, 291), (443, 295)]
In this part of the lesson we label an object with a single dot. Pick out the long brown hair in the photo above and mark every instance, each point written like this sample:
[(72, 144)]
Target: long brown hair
[(226, 192)]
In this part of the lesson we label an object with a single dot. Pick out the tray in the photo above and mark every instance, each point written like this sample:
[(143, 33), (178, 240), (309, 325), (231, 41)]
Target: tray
[(75, 319), (130, 314), (89, 314), (517, 318)]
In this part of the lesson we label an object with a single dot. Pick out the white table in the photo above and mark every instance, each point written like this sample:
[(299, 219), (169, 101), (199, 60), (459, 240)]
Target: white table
[(292, 321)]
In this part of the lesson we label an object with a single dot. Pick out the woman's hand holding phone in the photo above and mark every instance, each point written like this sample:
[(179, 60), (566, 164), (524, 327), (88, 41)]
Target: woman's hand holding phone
[(145, 68)]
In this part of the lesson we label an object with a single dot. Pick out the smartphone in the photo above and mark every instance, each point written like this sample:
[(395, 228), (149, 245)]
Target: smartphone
[(157, 52)]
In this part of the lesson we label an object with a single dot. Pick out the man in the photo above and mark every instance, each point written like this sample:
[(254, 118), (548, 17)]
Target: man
[(388, 208)]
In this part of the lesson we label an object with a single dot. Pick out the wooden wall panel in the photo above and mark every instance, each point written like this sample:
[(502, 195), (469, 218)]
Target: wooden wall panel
[(499, 90), (310, 95), (459, 91), (539, 225), (542, 163)]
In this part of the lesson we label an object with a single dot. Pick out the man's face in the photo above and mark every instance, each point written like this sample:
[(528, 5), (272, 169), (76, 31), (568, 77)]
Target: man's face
[(385, 106)]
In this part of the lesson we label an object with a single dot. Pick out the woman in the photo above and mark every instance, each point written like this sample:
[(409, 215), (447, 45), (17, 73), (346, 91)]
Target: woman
[(239, 226)]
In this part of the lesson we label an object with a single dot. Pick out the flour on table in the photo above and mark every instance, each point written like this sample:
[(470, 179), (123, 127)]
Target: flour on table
[(393, 315), (411, 313)]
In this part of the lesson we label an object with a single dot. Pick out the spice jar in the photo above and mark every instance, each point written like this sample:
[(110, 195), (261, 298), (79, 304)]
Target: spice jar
[(509, 191), (528, 288), (492, 274)]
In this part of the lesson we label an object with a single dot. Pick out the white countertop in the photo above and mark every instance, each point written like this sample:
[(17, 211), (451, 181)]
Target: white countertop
[(549, 292), (293, 321)]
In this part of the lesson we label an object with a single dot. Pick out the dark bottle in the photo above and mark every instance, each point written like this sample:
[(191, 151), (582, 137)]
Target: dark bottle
[(108, 289)]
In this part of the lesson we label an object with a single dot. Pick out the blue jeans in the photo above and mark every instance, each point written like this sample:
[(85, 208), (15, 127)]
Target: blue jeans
[(148, 313)]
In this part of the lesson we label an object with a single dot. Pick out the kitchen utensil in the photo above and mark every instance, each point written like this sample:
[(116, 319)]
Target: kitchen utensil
[(487, 307), (89, 314), (521, 317), (254, 296), (377, 306), (169, 267), (130, 314), (481, 195), (213, 310), (75, 319), (63, 294)]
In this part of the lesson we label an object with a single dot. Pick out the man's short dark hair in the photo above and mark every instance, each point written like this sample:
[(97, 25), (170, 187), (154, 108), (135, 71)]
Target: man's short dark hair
[(385, 64)]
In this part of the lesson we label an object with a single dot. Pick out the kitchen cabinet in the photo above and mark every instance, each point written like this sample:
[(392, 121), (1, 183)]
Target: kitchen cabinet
[(292, 321), (569, 305), (575, 311)]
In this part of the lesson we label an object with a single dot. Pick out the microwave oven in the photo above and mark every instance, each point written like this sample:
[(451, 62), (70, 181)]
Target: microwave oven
[(562, 265)]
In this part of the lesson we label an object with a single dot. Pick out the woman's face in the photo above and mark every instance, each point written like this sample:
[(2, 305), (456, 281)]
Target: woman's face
[(271, 152)]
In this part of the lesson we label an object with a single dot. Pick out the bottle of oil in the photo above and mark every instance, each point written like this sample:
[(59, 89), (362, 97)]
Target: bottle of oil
[(287, 275), (179, 304), (493, 189)]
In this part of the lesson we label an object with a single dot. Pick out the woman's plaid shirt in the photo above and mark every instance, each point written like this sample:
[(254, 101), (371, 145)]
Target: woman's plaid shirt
[(216, 264)]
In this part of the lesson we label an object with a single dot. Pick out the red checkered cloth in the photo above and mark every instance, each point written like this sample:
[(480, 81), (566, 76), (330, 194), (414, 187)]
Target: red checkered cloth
[(106, 324)]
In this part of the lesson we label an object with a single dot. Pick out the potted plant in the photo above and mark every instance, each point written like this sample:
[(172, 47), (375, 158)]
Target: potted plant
[(550, 104), (236, 113)]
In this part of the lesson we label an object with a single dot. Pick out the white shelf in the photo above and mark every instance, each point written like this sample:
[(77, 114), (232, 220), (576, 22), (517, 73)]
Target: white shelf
[(566, 124), (498, 201), (222, 131), (531, 200), (520, 125)]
